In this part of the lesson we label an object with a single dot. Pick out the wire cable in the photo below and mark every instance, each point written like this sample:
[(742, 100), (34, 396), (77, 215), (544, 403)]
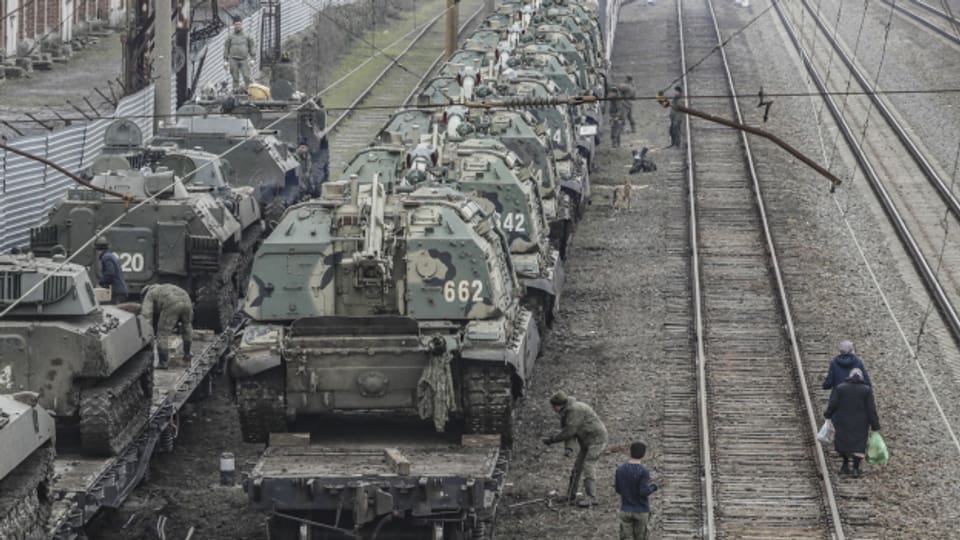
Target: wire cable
[(919, 91), (147, 200)]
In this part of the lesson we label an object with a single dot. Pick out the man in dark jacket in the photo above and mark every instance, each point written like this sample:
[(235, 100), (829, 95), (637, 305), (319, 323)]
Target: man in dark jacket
[(578, 422), (111, 273), (842, 365), (852, 410), (632, 483)]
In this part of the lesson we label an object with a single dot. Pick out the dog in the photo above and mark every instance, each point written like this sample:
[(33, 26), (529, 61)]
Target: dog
[(622, 195)]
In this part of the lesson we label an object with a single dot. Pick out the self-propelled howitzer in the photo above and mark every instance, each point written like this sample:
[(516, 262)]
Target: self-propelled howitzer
[(91, 365), (366, 300)]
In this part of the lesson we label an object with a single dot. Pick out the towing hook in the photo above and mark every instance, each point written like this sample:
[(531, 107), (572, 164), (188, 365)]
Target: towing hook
[(437, 345)]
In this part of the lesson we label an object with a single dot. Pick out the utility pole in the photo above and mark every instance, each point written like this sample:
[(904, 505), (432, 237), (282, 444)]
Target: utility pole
[(163, 58), (453, 18)]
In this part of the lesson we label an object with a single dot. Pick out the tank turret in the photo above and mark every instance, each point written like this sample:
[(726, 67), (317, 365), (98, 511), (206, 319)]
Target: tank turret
[(369, 301), (91, 365)]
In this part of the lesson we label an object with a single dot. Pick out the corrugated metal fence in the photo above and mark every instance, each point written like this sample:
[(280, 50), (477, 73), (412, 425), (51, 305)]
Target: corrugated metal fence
[(28, 189)]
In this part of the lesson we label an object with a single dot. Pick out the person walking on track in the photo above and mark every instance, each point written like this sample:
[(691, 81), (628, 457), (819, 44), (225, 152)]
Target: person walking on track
[(853, 411), (842, 365)]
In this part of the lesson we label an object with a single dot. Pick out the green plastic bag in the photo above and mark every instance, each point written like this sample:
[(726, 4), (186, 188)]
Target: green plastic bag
[(877, 453)]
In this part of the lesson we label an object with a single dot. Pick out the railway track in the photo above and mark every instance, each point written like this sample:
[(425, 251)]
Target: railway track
[(353, 129), (755, 419), (916, 195), (936, 20)]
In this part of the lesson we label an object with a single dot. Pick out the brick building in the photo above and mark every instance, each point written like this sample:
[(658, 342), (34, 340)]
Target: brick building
[(36, 20)]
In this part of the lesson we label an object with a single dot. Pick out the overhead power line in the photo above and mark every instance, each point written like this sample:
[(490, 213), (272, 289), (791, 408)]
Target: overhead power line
[(766, 94)]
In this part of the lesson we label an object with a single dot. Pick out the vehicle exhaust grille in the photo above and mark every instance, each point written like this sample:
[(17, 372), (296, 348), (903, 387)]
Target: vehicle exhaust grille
[(10, 286)]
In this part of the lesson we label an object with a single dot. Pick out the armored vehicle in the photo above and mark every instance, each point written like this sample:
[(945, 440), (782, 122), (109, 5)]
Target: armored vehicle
[(366, 301), (294, 118), (26, 467), (479, 164), (263, 162), (92, 365), (199, 235)]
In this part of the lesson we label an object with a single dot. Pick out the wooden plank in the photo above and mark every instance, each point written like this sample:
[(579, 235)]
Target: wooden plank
[(289, 439), (480, 441), (397, 462)]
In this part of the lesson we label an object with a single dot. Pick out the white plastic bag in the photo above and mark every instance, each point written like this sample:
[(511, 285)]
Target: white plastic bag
[(826, 433)]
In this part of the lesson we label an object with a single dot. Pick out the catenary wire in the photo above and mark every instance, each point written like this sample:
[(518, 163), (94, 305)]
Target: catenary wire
[(919, 91)]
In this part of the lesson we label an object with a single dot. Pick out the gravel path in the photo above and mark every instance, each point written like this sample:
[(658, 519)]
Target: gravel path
[(832, 294)]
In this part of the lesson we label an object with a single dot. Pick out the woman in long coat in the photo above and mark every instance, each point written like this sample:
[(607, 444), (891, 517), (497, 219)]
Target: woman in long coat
[(853, 412)]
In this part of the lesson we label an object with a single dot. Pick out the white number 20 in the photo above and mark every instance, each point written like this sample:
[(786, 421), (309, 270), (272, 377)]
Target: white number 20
[(131, 262), (463, 291)]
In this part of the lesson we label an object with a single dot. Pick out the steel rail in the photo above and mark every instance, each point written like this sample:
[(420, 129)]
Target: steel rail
[(419, 86), (947, 17), (813, 424), (383, 73), (926, 23), (946, 307), (709, 522), (921, 160)]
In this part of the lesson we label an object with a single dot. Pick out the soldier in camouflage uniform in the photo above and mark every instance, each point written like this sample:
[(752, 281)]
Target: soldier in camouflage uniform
[(238, 48), (616, 129), (170, 304), (675, 119), (579, 421), (626, 105)]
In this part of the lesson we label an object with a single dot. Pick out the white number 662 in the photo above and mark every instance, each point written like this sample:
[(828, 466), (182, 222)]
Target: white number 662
[(463, 291)]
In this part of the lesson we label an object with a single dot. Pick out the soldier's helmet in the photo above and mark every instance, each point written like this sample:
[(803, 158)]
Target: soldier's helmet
[(237, 18), (559, 398), (101, 243)]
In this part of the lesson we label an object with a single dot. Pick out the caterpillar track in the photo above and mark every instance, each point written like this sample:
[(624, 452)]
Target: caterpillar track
[(260, 403), (488, 400), (114, 410), (25, 501)]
